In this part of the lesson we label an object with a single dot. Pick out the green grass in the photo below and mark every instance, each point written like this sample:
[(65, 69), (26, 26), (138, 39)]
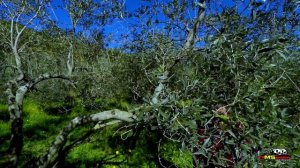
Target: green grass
[(4, 114), (4, 128), (41, 129), (3, 108), (179, 158)]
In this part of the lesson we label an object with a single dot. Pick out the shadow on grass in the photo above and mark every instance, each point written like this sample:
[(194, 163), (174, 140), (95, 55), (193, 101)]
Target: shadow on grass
[(42, 129)]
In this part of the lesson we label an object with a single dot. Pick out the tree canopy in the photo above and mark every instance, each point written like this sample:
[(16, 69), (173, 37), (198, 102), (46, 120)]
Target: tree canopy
[(175, 83)]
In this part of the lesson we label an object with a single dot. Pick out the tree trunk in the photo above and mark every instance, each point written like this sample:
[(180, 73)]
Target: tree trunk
[(16, 141)]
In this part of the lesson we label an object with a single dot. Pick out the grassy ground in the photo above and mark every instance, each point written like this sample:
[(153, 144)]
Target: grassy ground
[(104, 147)]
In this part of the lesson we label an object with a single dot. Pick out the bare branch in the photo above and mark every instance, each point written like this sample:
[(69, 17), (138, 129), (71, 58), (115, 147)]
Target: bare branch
[(14, 39), (61, 139), (70, 61), (192, 33), (46, 76)]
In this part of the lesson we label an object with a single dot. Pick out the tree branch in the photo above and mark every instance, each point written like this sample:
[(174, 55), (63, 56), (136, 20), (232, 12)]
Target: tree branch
[(192, 33), (61, 139), (44, 77)]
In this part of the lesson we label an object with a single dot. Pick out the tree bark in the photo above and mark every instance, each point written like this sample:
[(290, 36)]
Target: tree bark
[(192, 33), (15, 106), (16, 141), (46, 160)]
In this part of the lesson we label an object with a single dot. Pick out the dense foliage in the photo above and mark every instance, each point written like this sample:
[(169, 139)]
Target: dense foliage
[(217, 97)]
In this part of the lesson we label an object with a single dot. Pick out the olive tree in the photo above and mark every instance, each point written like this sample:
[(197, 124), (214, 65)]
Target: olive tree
[(19, 28), (213, 99), (20, 82)]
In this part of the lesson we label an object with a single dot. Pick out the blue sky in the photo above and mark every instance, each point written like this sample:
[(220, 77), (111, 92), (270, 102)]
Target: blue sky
[(64, 21), (120, 26)]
